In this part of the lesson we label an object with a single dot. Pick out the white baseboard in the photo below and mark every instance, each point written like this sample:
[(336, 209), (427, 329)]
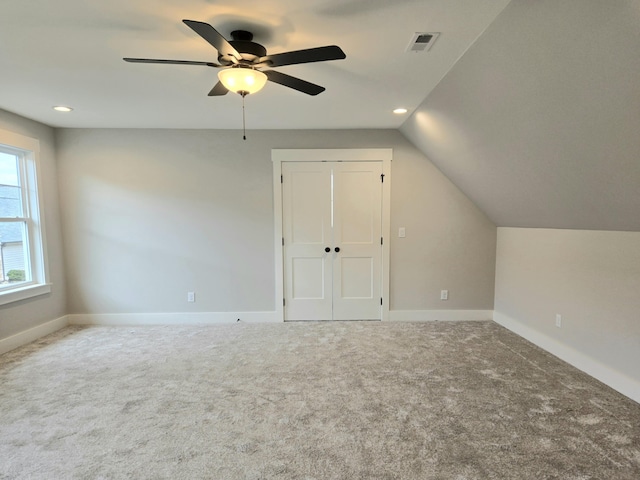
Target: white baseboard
[(141, 319), (439, 315), (627, 386), (28, 336)]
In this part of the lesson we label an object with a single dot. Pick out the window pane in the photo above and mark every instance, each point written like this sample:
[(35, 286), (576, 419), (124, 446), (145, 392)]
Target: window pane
[(10, 202), (13, 254), (10, 196), (8, 169)]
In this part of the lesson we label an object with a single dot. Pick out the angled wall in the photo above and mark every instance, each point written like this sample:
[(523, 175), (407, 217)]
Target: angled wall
[(537, 123)]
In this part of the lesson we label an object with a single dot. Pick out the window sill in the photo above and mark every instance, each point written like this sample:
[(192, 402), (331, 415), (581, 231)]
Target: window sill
[(23, 293)]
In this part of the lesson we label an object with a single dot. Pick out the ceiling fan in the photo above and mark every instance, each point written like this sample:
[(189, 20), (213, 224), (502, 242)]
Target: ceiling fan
[(245, 64)]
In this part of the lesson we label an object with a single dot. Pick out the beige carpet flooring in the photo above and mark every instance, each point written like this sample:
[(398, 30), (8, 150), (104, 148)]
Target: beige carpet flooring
[(360, 400)]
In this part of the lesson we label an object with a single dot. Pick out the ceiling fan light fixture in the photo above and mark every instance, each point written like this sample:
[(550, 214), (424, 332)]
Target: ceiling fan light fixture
[(242, 80)]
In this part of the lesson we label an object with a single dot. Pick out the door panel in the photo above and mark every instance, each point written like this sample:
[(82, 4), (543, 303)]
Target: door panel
[(308, 280), (357, 277), (357, 230), (354, 195), (306, 195), (308, 191)]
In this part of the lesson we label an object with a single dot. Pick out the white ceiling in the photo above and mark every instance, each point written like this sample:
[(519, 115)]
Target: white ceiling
[(69, 52)]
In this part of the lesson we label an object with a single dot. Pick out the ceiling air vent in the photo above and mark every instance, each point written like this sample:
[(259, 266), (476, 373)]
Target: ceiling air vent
[(422, 41)]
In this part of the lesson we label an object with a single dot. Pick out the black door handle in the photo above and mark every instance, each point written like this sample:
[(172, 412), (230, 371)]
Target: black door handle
[(337, 249), (327, 249)]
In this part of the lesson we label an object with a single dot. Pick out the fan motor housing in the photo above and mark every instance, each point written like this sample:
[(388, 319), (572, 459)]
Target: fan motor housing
[(248, 50)]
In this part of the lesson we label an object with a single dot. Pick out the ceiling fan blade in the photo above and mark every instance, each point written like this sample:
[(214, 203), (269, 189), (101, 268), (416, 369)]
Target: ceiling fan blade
[(319, 54), (293, 82), (212, 36), (218, 90), (171, 62)]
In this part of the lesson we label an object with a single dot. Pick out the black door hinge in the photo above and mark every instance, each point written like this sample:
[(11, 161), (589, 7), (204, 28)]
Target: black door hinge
[(381, 241), (382, 178), (284, 303), (281, 178), (380, 300), (283, 241)]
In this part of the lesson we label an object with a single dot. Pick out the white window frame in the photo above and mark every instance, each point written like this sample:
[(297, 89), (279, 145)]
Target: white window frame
[(28, 150)]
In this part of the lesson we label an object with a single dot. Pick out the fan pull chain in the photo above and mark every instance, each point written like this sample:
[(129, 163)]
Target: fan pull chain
[(244, 128)]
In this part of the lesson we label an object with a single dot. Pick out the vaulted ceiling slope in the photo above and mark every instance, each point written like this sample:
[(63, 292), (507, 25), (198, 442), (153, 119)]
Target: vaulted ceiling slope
[(538, 122)]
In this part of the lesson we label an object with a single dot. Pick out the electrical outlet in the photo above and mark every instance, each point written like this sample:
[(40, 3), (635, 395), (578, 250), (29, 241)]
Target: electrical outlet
[(191, 296), (444, 294), (402, 232), (558, 320)]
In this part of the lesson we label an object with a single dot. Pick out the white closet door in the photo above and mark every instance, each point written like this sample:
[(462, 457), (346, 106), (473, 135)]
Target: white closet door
[(357, 233), (332, 229), (306, 195)]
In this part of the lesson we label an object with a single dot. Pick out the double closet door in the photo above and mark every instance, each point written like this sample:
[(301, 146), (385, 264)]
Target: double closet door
[(332, 240)]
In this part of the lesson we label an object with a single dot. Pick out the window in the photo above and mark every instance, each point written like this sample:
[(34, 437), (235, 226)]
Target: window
[(22, 253)]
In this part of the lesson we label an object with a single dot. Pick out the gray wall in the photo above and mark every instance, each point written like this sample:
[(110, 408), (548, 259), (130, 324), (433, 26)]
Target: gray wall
[(20, 316), (151, 214), (591, 278)]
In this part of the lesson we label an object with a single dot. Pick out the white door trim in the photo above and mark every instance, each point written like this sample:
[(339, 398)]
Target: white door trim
[(278, 156)]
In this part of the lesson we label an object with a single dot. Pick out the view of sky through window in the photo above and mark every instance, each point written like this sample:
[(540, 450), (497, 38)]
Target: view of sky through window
[(8, 169)]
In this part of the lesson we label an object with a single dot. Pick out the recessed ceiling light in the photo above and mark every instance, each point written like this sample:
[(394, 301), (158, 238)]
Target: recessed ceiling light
[(400, 111), (62, 108)]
